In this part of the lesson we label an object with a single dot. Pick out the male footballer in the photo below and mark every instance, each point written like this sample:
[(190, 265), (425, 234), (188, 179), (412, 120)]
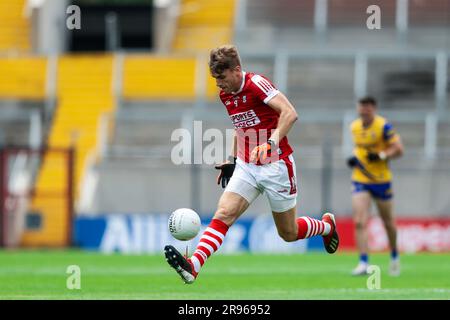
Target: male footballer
[(376, 142), (261, 163)]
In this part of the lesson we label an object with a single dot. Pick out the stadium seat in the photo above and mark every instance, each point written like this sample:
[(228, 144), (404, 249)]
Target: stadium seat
[(204, 24), (23, 78), (165, 78), (14, 26), (147, 77)]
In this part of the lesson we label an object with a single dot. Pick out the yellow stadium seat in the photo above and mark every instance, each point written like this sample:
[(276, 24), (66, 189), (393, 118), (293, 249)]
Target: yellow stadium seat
[(14, 26), (148, 77), (204, 24), (23, 78)]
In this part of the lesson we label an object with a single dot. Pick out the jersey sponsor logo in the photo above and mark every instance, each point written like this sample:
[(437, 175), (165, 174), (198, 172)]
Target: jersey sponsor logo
[(245, 119)]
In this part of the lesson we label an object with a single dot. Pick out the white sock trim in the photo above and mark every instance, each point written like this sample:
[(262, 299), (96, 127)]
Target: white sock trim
[(207, 246), (308, 223), (215, 232), (327, 228), (202, 254), (217, 243), (196, 263)]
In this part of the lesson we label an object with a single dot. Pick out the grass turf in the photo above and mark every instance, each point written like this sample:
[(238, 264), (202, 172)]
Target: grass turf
[(42, 275)]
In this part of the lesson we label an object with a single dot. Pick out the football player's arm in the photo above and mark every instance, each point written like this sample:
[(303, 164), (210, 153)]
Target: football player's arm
[(352, 161), (394, 149), (288, 115), (234, 145), (227, 167)]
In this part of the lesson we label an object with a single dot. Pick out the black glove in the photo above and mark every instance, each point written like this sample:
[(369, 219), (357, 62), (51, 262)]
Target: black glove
[(227, 170), (352, 162), (373, 157)]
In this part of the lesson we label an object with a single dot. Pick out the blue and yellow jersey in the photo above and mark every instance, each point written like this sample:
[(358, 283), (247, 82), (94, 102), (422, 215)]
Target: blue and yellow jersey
[(374, 138)]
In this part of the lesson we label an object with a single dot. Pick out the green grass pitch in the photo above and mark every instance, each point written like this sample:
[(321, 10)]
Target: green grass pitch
[(42, 275)]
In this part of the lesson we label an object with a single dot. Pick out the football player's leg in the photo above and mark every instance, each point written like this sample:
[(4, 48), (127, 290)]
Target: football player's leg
[(239, 193), (290, 228), (386, 214), (231, 206), (385, 211), (361, 206), (234, 201), (280, 185), (286, 224)]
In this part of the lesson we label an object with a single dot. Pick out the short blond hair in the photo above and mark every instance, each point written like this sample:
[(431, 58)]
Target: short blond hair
[(223, 58)]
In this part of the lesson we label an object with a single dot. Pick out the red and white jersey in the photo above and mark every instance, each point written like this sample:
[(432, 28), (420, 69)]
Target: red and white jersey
[(252, 118)]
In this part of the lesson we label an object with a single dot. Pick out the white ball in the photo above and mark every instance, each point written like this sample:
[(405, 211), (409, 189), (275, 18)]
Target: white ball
[(184, 224)]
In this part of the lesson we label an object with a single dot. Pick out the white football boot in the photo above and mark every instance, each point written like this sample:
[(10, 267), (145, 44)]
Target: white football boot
[(394, 267), (361, 269)]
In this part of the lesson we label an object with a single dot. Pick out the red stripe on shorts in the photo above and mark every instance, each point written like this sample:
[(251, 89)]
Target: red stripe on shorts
[(291, 175)]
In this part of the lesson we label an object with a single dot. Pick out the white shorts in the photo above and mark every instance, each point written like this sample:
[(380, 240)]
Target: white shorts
[(277, 180)]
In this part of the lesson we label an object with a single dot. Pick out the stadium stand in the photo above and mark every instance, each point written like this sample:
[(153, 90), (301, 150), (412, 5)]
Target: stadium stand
[(160, 93), (170, 77), (353, 12), (16, 80), (320, 77), (281, 13), (270, 25), (429, 13), (15, 123), (203, 24), (146, 78), (21, 94), (14, 27), (51, 203), (84, 93)]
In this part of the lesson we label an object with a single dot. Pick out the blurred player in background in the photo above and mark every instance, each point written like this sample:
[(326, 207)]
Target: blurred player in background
[(376, 143), (261, 162)]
